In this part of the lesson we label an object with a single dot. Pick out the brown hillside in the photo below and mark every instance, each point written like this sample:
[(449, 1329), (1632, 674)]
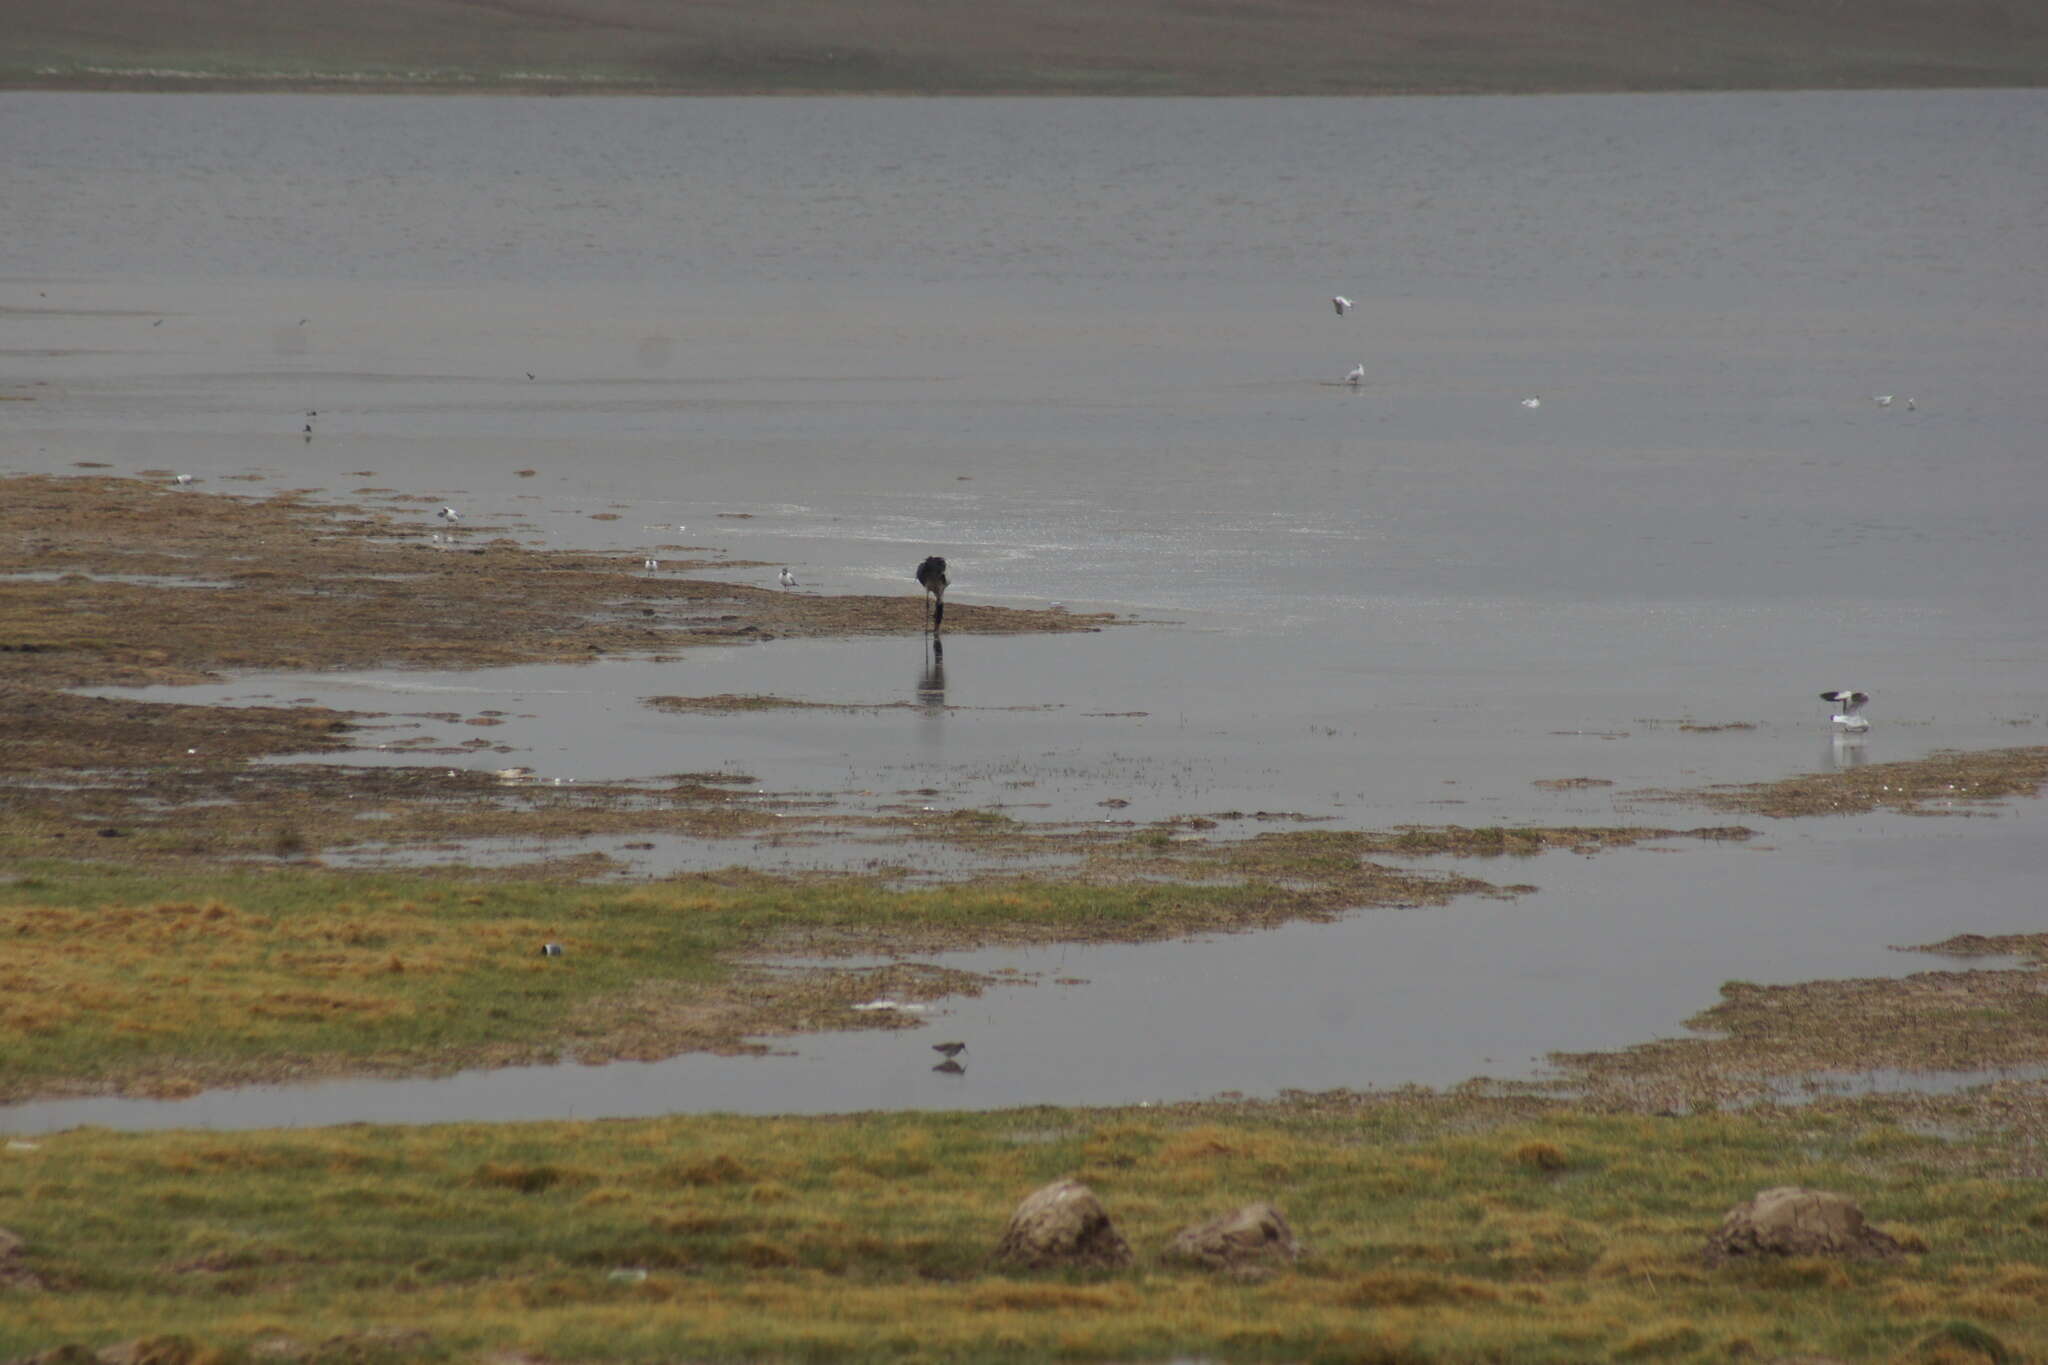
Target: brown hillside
[(1024, 46)]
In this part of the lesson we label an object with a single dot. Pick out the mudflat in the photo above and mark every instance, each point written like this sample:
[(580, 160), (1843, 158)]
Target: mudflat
[(1149, 47)]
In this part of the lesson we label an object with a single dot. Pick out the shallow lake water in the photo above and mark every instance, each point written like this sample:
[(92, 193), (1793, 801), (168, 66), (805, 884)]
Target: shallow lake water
[(1084, 349)]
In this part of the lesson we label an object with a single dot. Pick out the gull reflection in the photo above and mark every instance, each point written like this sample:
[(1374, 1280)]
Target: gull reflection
[(1847, 750)]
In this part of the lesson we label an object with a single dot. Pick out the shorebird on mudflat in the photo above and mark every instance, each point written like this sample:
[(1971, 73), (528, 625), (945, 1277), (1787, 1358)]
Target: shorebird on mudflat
[(931, 576)]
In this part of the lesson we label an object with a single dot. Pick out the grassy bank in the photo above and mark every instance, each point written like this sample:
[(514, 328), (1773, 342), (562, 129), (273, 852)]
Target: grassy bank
[(1438, 1230), (1141, 47), (166, 984)]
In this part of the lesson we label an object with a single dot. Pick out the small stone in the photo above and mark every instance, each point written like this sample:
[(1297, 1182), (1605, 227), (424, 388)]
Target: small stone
[(1062, 1224)]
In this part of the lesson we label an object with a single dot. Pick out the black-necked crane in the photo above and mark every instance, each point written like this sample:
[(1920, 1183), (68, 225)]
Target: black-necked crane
[(931, 576)]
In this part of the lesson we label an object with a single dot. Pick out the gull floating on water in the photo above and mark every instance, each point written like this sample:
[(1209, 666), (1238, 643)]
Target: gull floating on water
[(1883, 400), (1532, 402), (1356, 377), (1341, 304), (788, 579), (1851, 702)]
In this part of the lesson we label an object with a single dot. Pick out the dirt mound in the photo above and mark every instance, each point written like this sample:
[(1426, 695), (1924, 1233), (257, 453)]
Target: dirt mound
[(1249, 1240), (14, 1271)]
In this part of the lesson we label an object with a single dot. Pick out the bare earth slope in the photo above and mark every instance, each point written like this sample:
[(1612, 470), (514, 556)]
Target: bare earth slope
[(1024, 46)]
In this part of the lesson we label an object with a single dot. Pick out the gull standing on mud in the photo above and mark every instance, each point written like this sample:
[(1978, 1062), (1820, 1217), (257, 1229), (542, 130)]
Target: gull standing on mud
[(931, 576), (1848, 718), (449, 515), (1356, 377), (788, 579)]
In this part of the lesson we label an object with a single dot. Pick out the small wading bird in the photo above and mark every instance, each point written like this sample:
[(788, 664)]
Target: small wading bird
[(1341, 304), (950, 1049), (1356, 377), (931, 576), (1849, 717), (788, 579)]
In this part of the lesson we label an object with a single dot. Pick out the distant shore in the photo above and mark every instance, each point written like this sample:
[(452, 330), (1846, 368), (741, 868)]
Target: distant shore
[(1009, 47)]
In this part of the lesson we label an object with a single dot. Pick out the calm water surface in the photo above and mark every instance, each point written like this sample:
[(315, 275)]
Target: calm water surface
[(1084, 349)]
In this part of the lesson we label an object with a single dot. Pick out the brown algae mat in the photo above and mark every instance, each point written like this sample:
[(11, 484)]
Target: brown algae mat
[(1946, 783), (284, 583), (110, 581), (1787, 1041)]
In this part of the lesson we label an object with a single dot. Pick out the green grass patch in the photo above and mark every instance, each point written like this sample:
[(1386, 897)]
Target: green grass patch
[(165, 984), (1432, 1235)]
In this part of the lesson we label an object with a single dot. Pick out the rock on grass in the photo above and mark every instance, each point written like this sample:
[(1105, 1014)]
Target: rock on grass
[(1792, 1221), (1062, 1225)]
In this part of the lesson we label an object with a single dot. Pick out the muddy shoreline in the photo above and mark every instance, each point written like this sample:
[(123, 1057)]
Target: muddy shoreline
[(112, 582)]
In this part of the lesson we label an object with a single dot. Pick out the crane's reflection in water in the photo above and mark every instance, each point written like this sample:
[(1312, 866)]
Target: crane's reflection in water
[(931, 690)]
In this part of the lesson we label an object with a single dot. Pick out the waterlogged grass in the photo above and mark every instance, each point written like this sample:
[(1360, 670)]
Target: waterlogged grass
[(1439, 1229), (114, 980)]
